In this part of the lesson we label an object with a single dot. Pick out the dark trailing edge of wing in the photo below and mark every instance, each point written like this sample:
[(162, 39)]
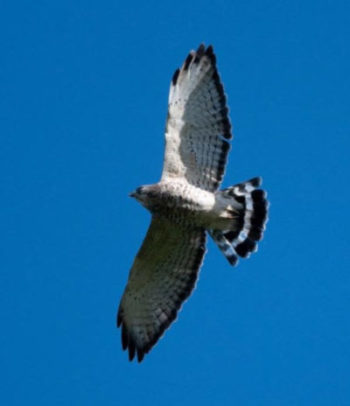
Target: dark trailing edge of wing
[(129, 343)]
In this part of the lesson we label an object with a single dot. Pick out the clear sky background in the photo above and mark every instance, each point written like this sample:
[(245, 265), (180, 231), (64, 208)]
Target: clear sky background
[(84, 88)]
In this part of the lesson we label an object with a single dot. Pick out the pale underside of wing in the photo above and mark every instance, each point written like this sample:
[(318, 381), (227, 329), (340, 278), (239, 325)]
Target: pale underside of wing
[(162, 277), (198, 124)]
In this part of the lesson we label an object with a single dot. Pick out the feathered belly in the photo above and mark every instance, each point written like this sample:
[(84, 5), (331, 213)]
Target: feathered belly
[(185, 204)]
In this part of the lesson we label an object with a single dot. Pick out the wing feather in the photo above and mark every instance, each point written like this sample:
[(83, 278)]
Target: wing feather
[(162, 277), (198, 124)]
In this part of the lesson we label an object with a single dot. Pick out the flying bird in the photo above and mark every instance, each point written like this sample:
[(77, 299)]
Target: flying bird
[(186, 205)]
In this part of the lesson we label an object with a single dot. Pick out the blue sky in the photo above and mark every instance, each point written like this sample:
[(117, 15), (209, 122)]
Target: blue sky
[(84, 89)]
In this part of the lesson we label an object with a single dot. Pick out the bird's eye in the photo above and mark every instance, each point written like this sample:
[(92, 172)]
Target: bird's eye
[(139, 190)]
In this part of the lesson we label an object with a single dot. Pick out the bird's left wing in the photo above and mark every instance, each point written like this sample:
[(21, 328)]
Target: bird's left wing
[(162, 277)]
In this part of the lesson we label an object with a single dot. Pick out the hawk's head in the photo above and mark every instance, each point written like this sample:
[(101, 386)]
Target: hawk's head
[(146, 195)]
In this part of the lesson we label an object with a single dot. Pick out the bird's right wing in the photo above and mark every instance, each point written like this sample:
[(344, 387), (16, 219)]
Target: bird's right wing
[(162, 277), (198, 125)]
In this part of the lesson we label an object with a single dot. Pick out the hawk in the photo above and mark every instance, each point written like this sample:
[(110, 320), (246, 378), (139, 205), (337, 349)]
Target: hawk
[(186, 205)]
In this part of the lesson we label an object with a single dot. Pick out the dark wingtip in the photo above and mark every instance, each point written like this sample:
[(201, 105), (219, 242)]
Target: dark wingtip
[(129, 344), (119, 317), (196, 56), (175, 76), (210, 54), (201, 48), (209, 50), (131, 350), (140, 355), (199, 53), (188, 60)]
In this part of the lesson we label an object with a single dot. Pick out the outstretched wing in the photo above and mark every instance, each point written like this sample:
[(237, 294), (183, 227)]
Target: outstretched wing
[(162, 277), (198, 125)]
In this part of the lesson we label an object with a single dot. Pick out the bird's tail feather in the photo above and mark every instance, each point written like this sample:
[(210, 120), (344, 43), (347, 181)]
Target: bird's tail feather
[(250, 207)]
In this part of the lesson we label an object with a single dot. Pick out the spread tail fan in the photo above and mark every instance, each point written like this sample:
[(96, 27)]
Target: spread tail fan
[(251, 207)]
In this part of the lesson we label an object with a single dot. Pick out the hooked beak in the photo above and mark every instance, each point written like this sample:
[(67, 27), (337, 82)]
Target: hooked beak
[(132, 194)]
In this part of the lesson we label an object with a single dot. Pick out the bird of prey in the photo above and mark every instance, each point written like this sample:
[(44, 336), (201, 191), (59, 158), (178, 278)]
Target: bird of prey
[(186, 205)]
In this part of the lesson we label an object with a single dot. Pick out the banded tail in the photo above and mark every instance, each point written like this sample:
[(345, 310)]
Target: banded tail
[(250, 207)]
